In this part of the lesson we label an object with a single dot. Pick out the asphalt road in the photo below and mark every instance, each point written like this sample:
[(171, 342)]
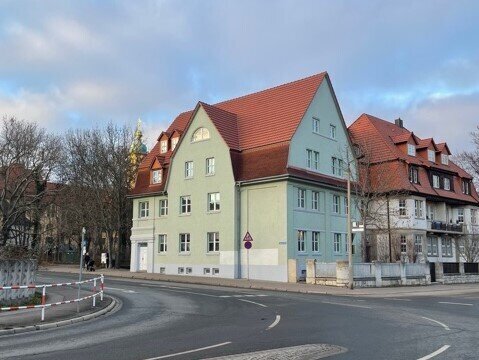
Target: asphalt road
[(179, 321)]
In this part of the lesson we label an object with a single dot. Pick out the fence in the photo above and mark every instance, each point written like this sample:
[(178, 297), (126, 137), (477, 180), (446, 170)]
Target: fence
[(471, 268), (450, 268), (18, 272), (44, 287)]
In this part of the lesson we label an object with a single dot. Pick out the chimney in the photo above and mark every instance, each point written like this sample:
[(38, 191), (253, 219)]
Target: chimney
[(399, 122)]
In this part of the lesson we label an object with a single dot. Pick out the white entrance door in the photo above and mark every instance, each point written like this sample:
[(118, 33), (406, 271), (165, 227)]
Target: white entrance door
[(143, 260)]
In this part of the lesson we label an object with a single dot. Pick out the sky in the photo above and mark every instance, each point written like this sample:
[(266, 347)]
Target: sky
[(78, 64)]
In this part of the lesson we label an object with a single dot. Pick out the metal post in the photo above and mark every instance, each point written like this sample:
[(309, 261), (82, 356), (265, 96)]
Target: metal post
[(94, 291), (102, 279), (44, 291), (247, 262), (83, 232), (350, 238)]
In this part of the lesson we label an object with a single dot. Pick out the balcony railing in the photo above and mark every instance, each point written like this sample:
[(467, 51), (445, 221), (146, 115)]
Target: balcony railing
[(442, 226)]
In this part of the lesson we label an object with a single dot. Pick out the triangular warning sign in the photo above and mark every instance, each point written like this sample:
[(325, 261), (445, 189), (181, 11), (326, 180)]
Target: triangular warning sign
[(248, 237)]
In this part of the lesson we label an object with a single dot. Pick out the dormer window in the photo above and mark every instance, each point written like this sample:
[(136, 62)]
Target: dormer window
[(411, 150), (444, 159), (163, 146), (435, 182), (200, 134), (174, 141), (413, 175), (431, 155), (466, 187), (156, 176)]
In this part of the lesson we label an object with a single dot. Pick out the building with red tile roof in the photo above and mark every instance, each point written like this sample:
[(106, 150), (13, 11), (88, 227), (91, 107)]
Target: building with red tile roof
[(270, 163), (432, 201)]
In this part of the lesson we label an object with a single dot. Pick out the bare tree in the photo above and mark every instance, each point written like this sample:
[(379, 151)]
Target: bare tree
[(28, 159), (467, 247)]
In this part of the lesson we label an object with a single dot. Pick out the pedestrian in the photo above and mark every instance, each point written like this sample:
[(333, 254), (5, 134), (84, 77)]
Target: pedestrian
[(86, 259)]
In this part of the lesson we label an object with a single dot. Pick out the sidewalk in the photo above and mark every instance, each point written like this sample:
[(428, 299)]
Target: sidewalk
[(53, 314), (431, 290)]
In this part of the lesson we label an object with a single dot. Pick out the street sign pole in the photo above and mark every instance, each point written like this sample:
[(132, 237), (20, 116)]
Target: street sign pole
[(247, 241), (82, 246)]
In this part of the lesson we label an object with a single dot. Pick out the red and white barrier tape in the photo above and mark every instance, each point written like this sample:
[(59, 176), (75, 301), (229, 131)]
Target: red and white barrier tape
[(14, 308), (33, 286)]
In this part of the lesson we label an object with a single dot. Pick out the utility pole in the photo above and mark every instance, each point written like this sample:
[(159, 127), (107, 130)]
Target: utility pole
[(350, 238), (82, 248)]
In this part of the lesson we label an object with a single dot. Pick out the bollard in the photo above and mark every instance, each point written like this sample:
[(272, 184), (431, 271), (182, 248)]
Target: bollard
[(44, 291), (94, 291), (102, 279)]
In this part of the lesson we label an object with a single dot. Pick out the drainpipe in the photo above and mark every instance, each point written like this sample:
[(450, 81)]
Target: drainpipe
[(238, 227), (389, 230)]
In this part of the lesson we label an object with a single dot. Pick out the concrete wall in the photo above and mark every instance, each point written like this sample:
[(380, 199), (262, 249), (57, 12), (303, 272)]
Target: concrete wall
[(17, 272)]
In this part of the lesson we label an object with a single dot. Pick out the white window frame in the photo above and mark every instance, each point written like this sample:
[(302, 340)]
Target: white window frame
[(210, 166), (431, 155), (337, 240), (301, 194), (162, 243), (143, 209), (403, 244), (174, 142), (411, 150), (185, 205), (164, 207), (413, 175), (200, 134), (444, 159), (163, 146), (185, 243), (402, 207), (316, 125), (346, 207), (315, 200), (157, 176), (447, 183), (189, 169), (315, 241), (436, 182), (432, 246), (460, 215), (336, 204), (418, 243), (213, 242), (418, 209), (334, 160), (309, 158), (214, 202), (446, 247), (301, 234), (332, 131)]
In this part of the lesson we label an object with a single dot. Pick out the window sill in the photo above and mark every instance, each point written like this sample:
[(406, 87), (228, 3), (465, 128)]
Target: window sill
[(312, 211), (189, 178), (213, 253), (188, 214), (162, 253), (184, 254), (212, 174), (213, 212), (302, 254)]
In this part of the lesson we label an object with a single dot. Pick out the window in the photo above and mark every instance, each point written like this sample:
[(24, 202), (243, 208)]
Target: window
[(446, 247), (315, 236), (185, 205), (413, 175), (301, 198), (418, 244), (403, 244), (336, 243), (316, 125), (312, 159), (184, 243), (174, 142), (432, 246), (181, 270), (444, 159), (189, 270), (411, 150), (189, 169), (143, 209), (447, 184), (162, 270), (431, 155), (156, 176), (214, 201), (466, 187), (473, 216), (163, 207), (430, 212), (210, 166), (216, 271), (315, 200), (162, 246), (402, 207), (213, 241), (418, 210), (301, 237), (163, 146), (460, 215), (346, 207), (332, 131), (200, 134), (337, 166), (435, 182), (206, 271), (336, 204)]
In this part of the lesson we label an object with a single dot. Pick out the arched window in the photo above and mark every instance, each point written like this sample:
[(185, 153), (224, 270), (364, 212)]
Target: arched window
[(200, 134)]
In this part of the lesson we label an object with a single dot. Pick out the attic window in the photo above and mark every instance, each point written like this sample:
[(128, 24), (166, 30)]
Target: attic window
[(411, 150), (444, 159), (156, 176), (163, 146), (200, 134), (431, 156), (174, 141)]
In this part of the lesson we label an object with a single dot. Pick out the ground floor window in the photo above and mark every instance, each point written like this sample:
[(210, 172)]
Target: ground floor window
[(184, 243), (162, 246), (446, 247), (337, 243), (403, 244), (418, 244), (213, 241), (432, 246), (301, 238), (315, 236)]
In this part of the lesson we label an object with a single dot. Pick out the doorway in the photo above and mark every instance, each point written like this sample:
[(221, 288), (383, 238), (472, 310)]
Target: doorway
[(142, 257)]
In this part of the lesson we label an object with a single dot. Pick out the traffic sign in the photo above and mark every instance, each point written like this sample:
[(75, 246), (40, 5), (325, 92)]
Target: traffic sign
[(248, 245), (248, 237)]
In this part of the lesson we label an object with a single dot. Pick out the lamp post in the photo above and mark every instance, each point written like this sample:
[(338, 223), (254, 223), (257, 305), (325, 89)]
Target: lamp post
[(82, 248), (350, 237)]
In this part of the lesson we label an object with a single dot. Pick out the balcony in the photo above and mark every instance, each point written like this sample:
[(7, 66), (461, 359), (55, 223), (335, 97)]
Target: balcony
[(444, 227)]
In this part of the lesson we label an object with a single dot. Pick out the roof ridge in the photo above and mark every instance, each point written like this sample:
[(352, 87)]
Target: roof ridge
[(272, 88)]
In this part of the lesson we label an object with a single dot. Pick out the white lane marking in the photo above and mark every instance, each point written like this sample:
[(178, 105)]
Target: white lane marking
[(252, 302), (192, 292), (123, 290), (397, 299), (343, 304), (190, 351), (164, 286), (437, 322), (240, 296), (435, 353), (276, 322), (454, 303)]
